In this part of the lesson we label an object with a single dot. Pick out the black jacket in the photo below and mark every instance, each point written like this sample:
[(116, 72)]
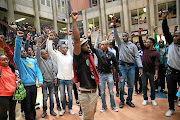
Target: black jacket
[(105, 60)]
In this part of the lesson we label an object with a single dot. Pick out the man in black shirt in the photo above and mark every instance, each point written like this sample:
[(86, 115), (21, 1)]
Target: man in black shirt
[(105, 69), (85, 73)]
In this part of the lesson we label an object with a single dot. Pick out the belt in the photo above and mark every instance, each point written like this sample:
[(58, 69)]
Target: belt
[(91, 91), (126, 64), (174, 70)]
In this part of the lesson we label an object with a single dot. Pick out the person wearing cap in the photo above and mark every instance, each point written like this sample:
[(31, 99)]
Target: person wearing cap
[(64, 59), (106, 61), (85, 74), (151, 62), (173, 70)]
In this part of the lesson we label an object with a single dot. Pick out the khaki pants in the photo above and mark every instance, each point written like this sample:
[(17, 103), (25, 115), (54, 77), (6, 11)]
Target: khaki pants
[(88, 103)]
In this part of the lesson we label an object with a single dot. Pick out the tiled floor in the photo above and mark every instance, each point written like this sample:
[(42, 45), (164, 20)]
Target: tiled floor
[(140, 112)]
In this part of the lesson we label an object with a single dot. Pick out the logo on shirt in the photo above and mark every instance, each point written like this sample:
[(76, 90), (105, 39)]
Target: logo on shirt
[(87, 62), (30, 64)]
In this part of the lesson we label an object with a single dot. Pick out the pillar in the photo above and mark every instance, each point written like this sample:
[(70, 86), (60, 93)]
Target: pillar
[(126, 16), (10, 11), (36, 16), (54, 9)]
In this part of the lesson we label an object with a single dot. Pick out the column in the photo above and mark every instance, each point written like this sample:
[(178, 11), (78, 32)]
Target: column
[(85, 23), (54, 10), (126, 16), (122, 16), (152, 10), (148, 16), (178, 13), (100, 19), (10, 11), (36, 16), (103, 18), (67, 15)]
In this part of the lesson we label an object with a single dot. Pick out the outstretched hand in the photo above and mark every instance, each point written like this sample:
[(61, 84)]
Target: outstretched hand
[(2, 38), (70, 32), (51, 35), (28, 36)]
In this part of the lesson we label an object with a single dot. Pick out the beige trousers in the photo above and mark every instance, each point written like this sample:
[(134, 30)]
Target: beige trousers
[(88, 103)]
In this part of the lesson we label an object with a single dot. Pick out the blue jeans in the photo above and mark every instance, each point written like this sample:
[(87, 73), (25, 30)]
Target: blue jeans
[(128, 72), (69, 86), (50, 86), (145, 77), (110, 82)]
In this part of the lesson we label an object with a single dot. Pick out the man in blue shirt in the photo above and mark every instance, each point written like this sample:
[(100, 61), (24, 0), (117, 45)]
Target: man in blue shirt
[(28, 71)]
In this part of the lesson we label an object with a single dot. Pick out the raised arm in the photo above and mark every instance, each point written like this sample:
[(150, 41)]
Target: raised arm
[(17, 50), (165, 28), (77, 43), (97, 39), (117, 38), (38, 50), (94, 50), (26, 46), (8, 51), (50, 48), (141, 41), (70, 45)]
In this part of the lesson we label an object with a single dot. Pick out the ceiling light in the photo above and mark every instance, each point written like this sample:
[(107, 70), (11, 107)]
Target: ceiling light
[(21, 19)]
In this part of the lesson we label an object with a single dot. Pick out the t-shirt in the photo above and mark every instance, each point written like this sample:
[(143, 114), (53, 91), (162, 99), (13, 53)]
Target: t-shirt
[(7, 82)]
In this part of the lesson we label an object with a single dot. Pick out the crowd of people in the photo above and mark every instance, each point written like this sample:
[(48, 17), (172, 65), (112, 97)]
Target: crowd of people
[(85, 69)]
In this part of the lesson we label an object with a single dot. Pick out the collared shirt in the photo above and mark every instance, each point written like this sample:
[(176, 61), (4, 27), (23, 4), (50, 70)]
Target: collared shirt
[(128, 51)]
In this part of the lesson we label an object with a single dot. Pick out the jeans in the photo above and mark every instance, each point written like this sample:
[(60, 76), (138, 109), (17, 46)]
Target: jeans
[(137, 78), (172, 79), (116, 79), (128, 72), (69, 85), (161, 73), (7, 104), (75, 91), (109, 79), (56, 95), (50, 86), (145, 77), (29, 102)]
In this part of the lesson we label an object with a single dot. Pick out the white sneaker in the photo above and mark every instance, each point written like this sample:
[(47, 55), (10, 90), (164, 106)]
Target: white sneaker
[(71, 112), (102, 109), (153, 102), (178, 103), (115, 109), (135, 93), (169, 113), (145, 102), (62, 112)]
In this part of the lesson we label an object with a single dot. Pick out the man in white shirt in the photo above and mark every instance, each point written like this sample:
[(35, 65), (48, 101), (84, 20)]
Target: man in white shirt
[(64, 59)]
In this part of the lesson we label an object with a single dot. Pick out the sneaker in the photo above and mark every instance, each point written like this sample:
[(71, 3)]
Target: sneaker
[(156, 90), (178, 103), (115, 109), (163, 91), (44, 114), (53, 113), (125, 93), (169, 113), (62, 112), (135, 93), (144, 103), (117, 94), (121, 104), (80, 112), (77, 102), (58, 108), (153, 102), (71, 112), (130, 104), (102, 109), (23, 113)]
